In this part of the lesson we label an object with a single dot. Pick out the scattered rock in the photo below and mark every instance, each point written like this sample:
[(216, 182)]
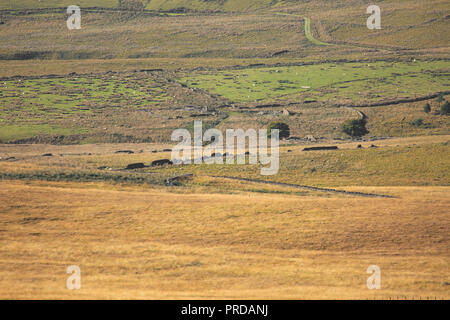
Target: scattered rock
[(207, 109), (199, 115), (311, 138), (286, 112), (132, 166), (162, 162), (276, 105), (321, 148), (104, 168)]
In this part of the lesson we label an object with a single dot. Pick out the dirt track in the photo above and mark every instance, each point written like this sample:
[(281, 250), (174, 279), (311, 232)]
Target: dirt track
[(361, 194)]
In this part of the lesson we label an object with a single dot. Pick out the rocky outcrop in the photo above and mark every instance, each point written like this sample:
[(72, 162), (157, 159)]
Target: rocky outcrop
[(320, 148), (163, 162)]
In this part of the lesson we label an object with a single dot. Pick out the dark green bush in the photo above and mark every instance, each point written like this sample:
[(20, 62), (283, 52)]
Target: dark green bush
[(417, 122), (285, 131), (355, 128), (445, 109)]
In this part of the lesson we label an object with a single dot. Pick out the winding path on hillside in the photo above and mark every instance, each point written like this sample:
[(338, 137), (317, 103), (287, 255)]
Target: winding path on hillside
[(309, 35), (308, 31)]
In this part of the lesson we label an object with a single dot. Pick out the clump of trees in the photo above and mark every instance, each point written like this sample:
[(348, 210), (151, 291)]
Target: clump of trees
[(444, 109), (285, 131), (443, 106), (355, 128)]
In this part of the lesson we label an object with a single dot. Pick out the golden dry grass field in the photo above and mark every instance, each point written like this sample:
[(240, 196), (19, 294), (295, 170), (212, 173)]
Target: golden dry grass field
[(220, 239), (153, 244)]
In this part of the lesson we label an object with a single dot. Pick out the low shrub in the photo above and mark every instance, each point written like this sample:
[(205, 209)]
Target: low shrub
[(355, 128)]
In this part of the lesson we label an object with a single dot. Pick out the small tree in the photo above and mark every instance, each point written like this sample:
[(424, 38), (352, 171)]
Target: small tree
[(417, 122), (355, 128), (445, 109), (285, 131), (427, 108)]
